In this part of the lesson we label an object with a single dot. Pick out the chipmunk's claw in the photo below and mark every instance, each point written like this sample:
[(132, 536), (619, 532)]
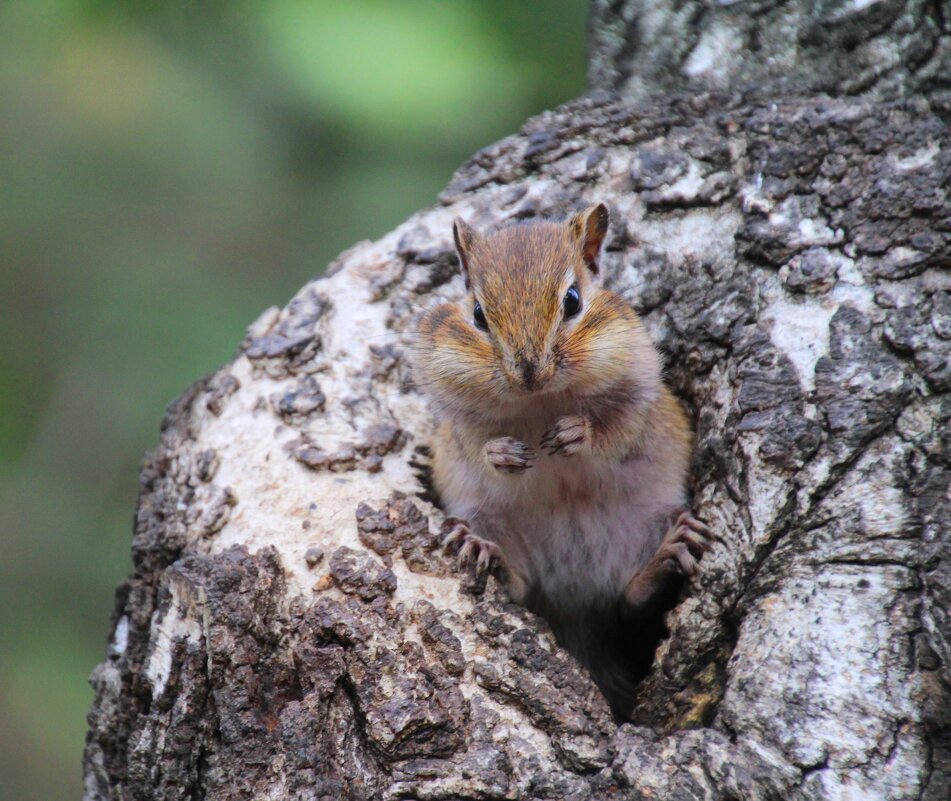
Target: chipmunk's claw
[(473, 549), (686, 518), (567, 436), (685, 543), (479, 552), (509, 455), (457, 532)]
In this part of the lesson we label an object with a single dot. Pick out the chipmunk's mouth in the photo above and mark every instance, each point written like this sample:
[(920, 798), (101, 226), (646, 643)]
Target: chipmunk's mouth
[(523, 393)]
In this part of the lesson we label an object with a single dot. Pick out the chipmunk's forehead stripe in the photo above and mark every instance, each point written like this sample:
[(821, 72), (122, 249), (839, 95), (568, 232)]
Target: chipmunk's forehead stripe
[(533, 256)]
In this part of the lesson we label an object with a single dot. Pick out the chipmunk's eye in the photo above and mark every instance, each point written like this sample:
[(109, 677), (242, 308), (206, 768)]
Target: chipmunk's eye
[(572, 301), (478, 317)]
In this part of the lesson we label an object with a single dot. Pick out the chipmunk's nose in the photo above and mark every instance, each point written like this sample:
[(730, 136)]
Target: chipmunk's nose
[(528, 371)]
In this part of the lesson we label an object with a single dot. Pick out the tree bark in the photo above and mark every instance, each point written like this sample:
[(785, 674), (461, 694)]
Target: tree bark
[(291, 628)]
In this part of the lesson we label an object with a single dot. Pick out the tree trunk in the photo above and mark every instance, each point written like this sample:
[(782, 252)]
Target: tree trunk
[(291, 629)]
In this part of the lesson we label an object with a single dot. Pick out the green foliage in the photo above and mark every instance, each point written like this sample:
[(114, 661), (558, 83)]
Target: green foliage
[(167, 170)]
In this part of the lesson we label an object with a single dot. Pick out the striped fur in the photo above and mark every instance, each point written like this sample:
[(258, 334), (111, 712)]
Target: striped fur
[(572, 530)]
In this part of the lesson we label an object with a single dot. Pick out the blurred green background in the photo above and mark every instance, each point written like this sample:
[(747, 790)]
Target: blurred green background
[(167, 171)]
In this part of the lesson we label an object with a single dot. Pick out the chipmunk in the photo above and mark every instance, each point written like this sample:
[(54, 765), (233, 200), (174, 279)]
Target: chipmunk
[(559, 450)]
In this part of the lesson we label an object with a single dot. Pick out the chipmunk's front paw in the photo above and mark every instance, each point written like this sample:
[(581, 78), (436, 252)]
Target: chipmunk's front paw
[(567, 436), (473, 549), (509, 455)]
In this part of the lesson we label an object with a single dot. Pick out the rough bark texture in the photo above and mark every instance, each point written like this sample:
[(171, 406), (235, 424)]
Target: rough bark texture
[(291, 629), (879, 48)]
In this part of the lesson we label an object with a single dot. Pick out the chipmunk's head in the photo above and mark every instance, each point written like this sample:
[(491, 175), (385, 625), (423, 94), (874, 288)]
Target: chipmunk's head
[(535, 320)]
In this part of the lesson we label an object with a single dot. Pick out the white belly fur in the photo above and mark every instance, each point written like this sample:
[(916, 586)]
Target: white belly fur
[(577, 528)]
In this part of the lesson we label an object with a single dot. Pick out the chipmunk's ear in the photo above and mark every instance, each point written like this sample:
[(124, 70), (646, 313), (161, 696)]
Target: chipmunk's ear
[(589, 227), (465, 237)]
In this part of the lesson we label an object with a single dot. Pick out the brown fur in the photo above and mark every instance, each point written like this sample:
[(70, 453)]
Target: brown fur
[(577, 524)]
